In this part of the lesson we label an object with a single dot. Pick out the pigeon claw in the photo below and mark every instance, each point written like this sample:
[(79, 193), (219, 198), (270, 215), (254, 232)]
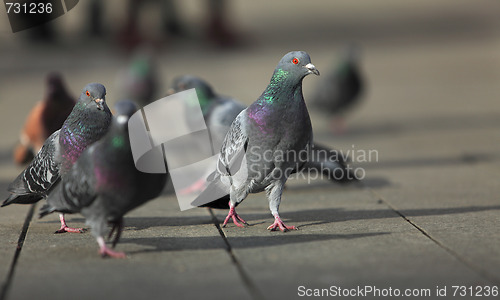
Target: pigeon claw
[(65, 229), (106, 252), (278, 223), (235, 217)]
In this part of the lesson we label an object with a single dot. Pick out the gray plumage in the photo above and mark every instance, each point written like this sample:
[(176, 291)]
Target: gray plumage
[(265, 140), (104, 184), (219, 113), (88, 122)]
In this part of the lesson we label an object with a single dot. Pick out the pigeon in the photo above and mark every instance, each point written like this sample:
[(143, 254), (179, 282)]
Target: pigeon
[(104, 184), (139, 81), (87, 123), (341, 89), (220, 111), (267, 140), (45, 118)]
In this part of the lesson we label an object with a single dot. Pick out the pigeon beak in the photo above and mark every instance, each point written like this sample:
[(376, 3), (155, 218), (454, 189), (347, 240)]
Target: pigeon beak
[(170, 91), (312, 69), (100, 104)]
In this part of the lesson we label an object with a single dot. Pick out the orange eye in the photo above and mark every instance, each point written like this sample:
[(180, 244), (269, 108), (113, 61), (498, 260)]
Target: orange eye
[(295, 61), (87, 93)]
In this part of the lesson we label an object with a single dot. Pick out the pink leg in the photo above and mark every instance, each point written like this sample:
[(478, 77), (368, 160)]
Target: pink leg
[(198, 186), (338, 126), (233, 215), (278, 223), (64, 228), (105, 251)]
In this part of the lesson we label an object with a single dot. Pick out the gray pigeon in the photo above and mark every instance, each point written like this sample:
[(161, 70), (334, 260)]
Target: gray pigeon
[(267, 140), (341, 89), (104, 184), (219, 113), (88, 122)]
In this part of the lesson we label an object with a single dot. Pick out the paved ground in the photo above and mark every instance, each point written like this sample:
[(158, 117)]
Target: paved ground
[(425, 218)]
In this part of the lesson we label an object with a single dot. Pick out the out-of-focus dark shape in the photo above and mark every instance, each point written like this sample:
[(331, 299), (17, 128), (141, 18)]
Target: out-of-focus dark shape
[(340, 89), (139, 80), (219, 31), (216, 26), (45, 118)]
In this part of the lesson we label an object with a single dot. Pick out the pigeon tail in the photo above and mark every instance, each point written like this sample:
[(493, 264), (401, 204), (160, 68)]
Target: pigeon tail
[(21, 199), (46, 210)]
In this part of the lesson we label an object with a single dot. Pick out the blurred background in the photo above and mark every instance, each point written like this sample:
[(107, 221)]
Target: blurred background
[(425, 64), (429, 107)]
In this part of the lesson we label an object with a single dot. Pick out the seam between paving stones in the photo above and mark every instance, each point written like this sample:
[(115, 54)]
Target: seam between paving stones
[(255, 293), (20, 242), (462, 259)]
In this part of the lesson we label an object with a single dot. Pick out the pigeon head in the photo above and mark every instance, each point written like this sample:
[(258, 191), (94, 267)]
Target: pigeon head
[(94, 95), (203, 89), (55, 86), (125, 108), (297, 64)]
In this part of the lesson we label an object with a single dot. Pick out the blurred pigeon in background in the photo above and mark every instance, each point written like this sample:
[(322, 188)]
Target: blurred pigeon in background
[(139, 80), (104, 184), (218, 111), (266, 140), (341, 89), (88, 122), (45, 118)]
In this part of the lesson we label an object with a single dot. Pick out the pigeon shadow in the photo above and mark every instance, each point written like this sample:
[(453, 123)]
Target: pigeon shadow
[(162, 244), (310, 217), (140, 223), (334, 215), (466, 158), (367, 182)]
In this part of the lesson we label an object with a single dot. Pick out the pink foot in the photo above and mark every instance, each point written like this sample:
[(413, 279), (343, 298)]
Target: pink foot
[(64, 228), (278, 223), (105, 251), (198, 186), (233, 215)]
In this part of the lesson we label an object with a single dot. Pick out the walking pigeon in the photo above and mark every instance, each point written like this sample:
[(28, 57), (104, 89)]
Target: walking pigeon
[(45, 118), (268, 140), (219, 113), (104, 183), (88, 122), (341, 89)]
